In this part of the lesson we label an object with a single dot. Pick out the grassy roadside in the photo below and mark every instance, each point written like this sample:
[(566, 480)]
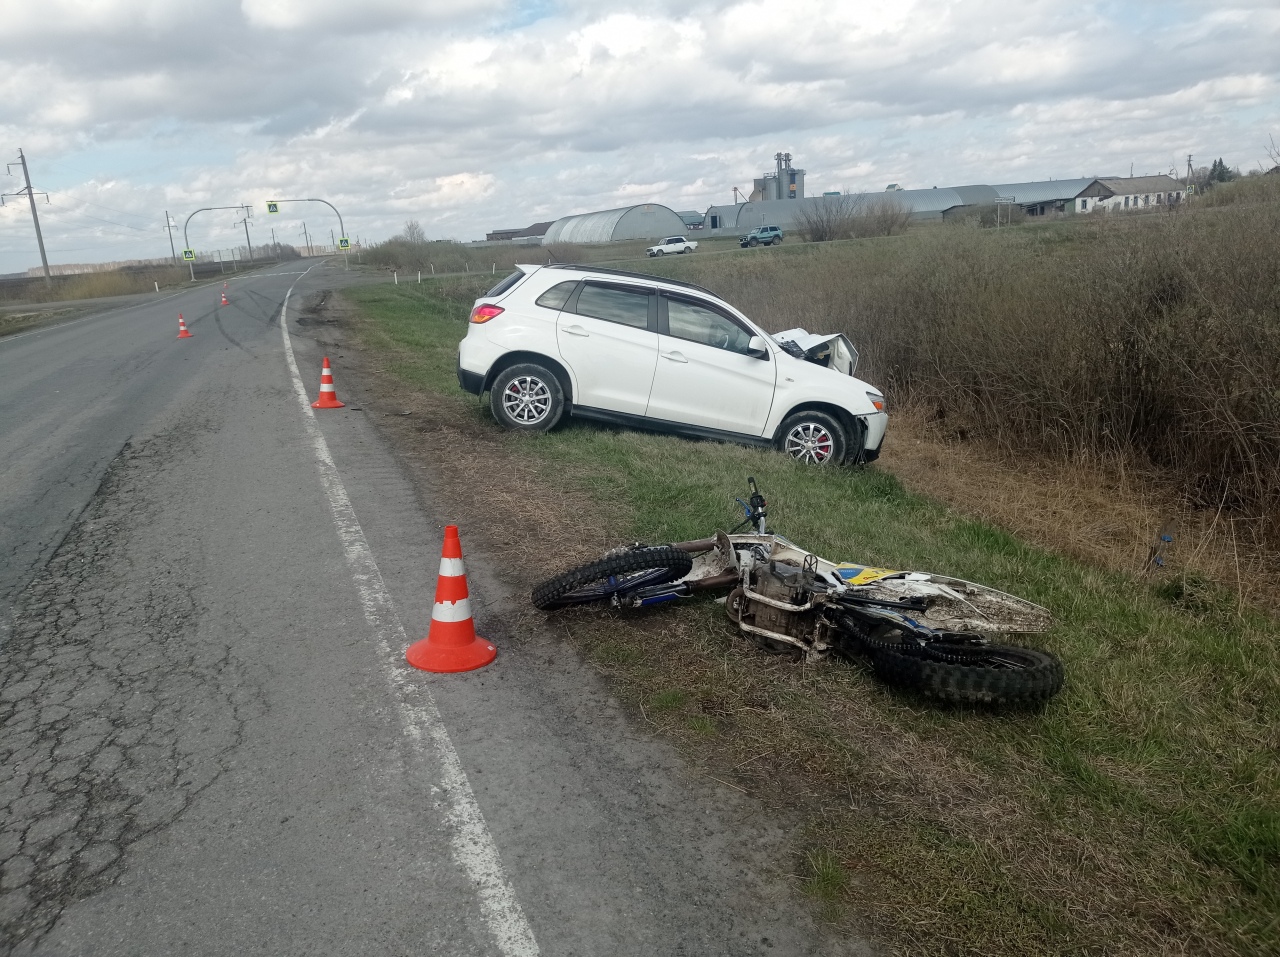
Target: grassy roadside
[(1137, 814)]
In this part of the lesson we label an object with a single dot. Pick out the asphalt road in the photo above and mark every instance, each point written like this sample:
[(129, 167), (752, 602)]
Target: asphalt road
[(209, 742)]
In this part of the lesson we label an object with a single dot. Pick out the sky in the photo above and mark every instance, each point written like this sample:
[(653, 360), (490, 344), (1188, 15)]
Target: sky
[(473, 115)]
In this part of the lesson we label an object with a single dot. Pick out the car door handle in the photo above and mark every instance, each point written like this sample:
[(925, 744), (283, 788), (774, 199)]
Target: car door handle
[(674, 356), (576, 331)]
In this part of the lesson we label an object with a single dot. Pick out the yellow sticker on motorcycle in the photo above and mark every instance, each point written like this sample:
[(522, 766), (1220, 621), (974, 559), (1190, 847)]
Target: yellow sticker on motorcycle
[(862, 575)]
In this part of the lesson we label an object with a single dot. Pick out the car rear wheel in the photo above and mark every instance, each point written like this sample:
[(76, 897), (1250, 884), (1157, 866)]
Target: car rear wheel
[(776, 241), (527, 398), (815, 438)]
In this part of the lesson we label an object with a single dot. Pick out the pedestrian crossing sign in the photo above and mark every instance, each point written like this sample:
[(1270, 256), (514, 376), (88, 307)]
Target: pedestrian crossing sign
[(273, 207), (189, 255), (344, 243)]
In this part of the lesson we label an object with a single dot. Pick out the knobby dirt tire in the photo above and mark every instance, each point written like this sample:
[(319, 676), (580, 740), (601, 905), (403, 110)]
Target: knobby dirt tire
[(975, 675), (639, 568)]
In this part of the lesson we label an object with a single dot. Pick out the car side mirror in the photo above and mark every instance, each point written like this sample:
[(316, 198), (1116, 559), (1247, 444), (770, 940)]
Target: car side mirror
[(756, 347)]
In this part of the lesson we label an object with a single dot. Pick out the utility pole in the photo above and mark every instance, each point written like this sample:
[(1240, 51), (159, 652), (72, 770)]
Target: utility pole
[(310, 251), (169, 224), (275, 247), (31, 197), (333, 241), (245, 221), (1189, 173)]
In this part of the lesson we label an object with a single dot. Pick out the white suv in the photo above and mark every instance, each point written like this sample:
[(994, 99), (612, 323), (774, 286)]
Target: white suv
[(641, 351)]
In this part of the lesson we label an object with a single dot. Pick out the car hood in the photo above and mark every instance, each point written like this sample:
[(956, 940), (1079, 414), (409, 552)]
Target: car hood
[(818, 347)]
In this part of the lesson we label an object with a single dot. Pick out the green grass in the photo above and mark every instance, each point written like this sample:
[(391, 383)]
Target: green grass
[(1139, 811)]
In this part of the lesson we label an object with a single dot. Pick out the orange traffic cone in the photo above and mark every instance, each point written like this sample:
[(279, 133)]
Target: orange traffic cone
[(183, 332), (224, 300), (328, 397), (451, 644)]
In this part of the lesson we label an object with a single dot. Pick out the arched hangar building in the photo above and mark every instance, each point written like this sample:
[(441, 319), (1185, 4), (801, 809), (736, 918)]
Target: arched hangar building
[(647, 221)]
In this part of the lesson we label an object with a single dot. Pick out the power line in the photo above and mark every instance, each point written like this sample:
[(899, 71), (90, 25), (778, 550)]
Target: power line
[(76, 212)]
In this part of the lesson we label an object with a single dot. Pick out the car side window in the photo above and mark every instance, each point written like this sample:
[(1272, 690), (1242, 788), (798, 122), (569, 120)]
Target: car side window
[(620, 304), (695, 322), (557, 295)]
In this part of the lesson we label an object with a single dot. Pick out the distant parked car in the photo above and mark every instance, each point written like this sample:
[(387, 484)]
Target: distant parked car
[(762, 236), (674, 244), (646, 352)]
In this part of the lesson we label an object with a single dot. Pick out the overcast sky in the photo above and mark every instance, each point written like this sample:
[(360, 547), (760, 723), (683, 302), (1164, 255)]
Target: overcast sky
[(470, 115)]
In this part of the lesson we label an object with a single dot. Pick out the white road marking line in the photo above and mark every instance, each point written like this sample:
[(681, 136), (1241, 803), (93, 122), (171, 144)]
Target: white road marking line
[(472, 844)]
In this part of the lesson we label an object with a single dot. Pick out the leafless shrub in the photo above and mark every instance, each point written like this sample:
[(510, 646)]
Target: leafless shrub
[(852, 216), (885, 216), (831, 217), (1153, 341)]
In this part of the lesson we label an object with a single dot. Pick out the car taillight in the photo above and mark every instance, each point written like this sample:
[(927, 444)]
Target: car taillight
[(485, 313)]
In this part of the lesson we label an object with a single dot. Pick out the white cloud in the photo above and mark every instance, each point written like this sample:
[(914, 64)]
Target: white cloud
[(498, 112)]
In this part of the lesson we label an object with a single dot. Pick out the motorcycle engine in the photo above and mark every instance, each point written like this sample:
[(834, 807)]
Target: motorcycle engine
[(776, 626)]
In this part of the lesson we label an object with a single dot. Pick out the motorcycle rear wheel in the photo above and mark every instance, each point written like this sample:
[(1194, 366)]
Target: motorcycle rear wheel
[(618, 574)]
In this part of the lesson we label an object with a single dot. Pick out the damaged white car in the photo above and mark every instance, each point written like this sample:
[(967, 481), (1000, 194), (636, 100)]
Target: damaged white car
[(646, 352)]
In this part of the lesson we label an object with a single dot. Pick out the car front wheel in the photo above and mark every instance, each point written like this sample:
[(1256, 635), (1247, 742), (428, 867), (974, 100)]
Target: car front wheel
[(527, 398), (657, 252), (815, 438), (752, 242)]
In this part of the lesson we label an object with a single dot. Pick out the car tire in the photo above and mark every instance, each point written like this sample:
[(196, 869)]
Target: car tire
[(776, 241), (753, 242), (657, 252), (527, 398), (813, 437)]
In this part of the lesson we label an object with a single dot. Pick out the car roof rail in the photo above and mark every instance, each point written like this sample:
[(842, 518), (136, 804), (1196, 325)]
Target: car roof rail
[(630, 275)]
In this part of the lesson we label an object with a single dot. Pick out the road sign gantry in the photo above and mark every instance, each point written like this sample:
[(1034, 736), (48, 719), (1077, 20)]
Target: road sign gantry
[(344, 244)]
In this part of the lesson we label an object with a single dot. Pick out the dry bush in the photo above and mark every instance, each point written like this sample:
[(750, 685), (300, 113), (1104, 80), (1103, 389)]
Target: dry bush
[(1152, 341), (834, 217), (1247, 189), (93, 285), (852, 216), (885, 216)]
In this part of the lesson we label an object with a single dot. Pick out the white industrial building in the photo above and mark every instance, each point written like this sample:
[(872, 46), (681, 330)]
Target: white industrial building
[(646, 221), (1120, 193)]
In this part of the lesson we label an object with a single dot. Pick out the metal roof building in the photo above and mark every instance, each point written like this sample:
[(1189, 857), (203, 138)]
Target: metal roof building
[(648, 221), (923, 203), (1045, 196)]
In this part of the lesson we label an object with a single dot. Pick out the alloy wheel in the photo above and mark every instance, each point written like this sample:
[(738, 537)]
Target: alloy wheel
[(526, 399), (809, 442)]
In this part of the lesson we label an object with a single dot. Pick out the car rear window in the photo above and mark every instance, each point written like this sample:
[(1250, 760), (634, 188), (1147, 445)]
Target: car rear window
[(630, 307), (557, 295), (505, 285)]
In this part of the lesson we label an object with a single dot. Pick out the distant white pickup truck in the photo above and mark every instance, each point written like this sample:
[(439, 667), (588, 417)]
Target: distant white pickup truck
[(673, 244)]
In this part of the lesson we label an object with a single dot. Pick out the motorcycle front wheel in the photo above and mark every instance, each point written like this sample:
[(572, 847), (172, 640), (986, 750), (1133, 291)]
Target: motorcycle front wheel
[(618, 574)]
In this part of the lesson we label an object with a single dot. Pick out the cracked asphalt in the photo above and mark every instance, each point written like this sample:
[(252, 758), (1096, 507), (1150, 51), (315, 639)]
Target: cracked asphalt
[(199, 752)]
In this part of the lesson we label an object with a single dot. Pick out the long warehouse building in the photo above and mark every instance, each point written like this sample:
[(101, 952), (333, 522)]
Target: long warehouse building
[(647, 221)]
